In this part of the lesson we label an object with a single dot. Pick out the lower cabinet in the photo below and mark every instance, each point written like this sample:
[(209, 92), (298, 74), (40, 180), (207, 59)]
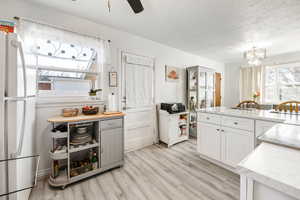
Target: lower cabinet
[(209, 140), (236, 145), (227, 145), (112, 148)]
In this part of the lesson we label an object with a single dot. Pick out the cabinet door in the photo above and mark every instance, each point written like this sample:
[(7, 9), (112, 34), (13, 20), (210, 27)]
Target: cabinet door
[(209, 140), (112, 148), (236, 145)]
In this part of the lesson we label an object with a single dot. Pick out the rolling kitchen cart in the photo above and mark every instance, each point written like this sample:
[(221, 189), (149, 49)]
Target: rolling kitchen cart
[(84, 146)]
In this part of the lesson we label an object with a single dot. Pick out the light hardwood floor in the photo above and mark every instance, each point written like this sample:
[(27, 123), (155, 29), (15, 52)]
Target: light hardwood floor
[(153, 173)]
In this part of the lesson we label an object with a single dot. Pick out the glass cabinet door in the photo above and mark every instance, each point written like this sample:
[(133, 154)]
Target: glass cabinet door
[(202, 90), (210, 91)]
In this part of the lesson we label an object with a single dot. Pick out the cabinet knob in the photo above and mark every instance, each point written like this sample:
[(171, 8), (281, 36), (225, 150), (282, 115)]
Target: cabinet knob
[(207, 118), (218, 129), (222, 130), (236, 123)]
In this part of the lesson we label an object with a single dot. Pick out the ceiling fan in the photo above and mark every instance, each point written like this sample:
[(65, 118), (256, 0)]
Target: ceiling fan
[(136, 5)]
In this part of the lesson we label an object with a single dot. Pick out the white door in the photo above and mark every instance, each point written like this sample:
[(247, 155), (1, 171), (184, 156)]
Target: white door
[(209, 140), (236, 145), (138, 100)]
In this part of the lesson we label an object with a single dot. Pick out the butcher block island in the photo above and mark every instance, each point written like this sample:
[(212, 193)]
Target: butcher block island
[(226, 136), (85, 145)]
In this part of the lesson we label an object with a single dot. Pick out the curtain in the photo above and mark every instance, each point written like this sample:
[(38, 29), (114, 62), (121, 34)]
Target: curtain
[(251, 81), (139, 81), (36, 37)]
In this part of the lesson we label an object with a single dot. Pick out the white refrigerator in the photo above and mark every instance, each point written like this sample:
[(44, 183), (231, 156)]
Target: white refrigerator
[(18, 161)]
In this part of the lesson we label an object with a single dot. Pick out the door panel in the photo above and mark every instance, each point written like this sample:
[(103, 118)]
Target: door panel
[(237, 144), (138, 100), (22, 171), (210, 140), (112, 148)]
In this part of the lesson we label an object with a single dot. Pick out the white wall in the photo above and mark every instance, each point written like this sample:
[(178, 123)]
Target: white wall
[(232, 72), (163, 55)]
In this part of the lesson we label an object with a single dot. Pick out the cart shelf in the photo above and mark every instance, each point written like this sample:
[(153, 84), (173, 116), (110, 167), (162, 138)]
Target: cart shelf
[(83, 147)]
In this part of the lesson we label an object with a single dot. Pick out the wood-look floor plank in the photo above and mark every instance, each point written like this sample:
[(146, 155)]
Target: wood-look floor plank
[(153, 173)]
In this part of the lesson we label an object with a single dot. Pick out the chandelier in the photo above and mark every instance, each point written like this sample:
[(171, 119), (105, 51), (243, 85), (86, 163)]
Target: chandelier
[(255, 56)]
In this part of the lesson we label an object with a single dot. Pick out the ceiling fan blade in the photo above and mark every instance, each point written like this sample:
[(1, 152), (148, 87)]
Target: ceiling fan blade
[(136, 6)]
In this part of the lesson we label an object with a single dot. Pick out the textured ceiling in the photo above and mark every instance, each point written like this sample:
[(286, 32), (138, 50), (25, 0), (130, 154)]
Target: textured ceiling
[(217, 29)]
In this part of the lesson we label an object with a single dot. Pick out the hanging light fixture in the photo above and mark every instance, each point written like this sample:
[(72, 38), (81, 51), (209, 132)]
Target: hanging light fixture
[(255, 56)]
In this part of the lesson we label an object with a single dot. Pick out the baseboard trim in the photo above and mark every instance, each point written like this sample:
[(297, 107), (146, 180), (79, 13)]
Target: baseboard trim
[(42, 174)]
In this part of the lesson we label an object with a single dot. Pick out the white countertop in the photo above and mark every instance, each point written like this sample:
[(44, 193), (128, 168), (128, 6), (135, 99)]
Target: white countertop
[(283, 134), (255, 114), (275, 166)]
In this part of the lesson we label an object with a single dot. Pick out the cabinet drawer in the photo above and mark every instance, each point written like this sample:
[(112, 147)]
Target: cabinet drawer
[(240, 123), (210, 118), (111, 124)]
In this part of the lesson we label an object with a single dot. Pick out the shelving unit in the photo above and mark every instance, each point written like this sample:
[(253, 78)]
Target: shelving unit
[(200, 92), (84, 143)]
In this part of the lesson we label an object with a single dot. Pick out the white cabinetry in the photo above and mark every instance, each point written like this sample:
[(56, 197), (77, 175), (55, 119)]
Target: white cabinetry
[(173, 128), (225, 139), (209, 140), (237, 144)]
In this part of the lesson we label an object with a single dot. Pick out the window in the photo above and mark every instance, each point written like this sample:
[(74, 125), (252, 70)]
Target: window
[(67, 64), (62, 68), (282, 83)]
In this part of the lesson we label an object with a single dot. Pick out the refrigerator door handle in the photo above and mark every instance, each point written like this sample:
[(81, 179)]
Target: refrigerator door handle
[(18, 45), (19, 98), (22, 132)]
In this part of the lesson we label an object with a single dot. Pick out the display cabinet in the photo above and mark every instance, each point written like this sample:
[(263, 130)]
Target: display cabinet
[(200, 92)]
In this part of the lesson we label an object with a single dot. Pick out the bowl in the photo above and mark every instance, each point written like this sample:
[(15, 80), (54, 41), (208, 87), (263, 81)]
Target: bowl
[(90, 111)]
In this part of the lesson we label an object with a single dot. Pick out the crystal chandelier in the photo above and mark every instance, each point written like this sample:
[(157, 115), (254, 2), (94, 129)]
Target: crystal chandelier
[(255, 56)]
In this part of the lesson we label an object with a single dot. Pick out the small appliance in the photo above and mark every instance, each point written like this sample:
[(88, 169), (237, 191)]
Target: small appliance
[(172, 107)]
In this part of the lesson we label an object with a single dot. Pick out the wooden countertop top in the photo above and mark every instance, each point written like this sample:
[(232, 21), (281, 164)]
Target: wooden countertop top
[(81, 117)]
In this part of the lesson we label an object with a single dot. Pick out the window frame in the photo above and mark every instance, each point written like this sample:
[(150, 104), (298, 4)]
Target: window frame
[(278, 85), (54, 98)]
